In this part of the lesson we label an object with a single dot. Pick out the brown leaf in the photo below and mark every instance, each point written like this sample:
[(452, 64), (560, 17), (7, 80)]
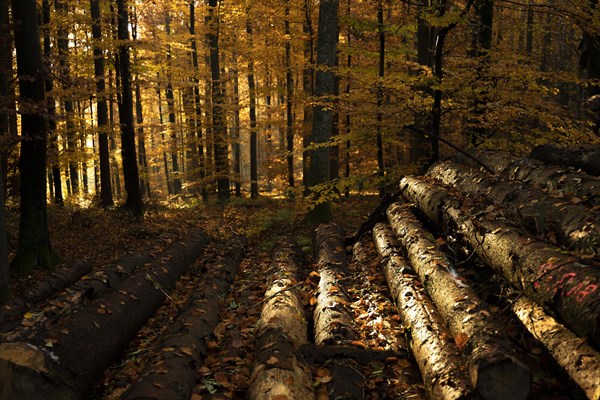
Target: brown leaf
[(187, 351), (272, 360), (237, 343), (101, 310), (461, 340), (280, 397)]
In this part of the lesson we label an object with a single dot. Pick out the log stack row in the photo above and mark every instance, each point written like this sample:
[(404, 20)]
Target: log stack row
[(537, 227)]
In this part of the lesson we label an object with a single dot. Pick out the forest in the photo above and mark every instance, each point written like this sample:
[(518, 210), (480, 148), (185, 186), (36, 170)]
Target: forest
[(299, 199)]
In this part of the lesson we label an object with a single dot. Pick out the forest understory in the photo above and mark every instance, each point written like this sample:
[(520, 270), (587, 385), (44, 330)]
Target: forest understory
[(212, 336)]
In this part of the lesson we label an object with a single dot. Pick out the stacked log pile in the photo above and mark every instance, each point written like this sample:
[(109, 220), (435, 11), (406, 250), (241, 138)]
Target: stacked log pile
[(548, 280)]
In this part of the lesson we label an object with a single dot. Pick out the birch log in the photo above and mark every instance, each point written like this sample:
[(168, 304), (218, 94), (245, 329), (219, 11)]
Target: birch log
[(546, 274), (494, 367), (279, 371), (436, 354)]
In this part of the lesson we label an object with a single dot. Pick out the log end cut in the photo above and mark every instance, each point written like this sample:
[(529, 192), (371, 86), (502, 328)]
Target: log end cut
[(29, 373), (504, 379)]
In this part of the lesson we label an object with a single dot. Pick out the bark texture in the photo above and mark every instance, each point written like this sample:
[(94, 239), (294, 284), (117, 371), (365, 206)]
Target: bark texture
[(544, 273), (109, 322), (559, 181), (437, 356), (581, 362), (586, 158), (53, 282), (279, 369), (333, 319), (172, 375), (573, 225), (494, 368)]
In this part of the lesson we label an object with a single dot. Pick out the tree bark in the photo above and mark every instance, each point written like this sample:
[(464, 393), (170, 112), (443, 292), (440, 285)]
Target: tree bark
[(109, 323), (252, 112), (106, 197), (436, 354), (171, 111), (322, 122), (578, 359), (333, 320), (5, 88), (556, 180), (574, 226), (493, 365), (586, 158), (282, 322), (130, 168), (34, 248), (183, 347), (218, 104), (545, 274)]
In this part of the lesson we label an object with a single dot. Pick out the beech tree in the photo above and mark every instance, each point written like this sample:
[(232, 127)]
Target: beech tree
[(34, 249)]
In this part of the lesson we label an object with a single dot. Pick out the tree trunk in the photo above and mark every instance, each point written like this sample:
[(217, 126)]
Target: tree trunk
[(333, 320), (183, 347), (34, 248), (289, 85), (573, 225), (197, 107), (106, 198), (587, 159), (130, 168), (308, 73), (556, 180), (236, 129), (252, 112), (65, 77), (322, 126), (380, 98), (282, 322), (109, 322), (545, 274), (53, 157), (5, 79), (494, 369), (218, 103), (437, 356), (578, 359), (171, 111), (142, 160)]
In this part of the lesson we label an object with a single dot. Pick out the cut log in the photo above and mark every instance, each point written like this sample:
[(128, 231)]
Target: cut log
[(437, 356), (279, 370), (56, 280), (560, 181), (574, 225), (586, 158), (84, 345), (172, 374), (333, 319), (494, 367), (579, 360), (546, 274)]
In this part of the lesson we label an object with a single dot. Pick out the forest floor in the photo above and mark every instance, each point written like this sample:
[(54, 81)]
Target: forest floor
[(104, 236)]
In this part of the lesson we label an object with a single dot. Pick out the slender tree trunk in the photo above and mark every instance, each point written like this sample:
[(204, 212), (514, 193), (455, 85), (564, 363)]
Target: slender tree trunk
[(322, 113), (252, 112), (290, 96), (34, 248), (218, 104), (380, 98), (236, 136), (5, 78), (197, 107), (348, 118), (130, 168), (171, 111), (65, 77), (115, 175), (142, 160), (163, 142), (308, 87)]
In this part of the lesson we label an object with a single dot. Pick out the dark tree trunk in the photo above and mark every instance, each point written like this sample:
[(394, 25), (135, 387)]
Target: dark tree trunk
[(52, 136), (142, 160), (252, 112), (236, 136), (65, 77), (106, 198), (322, 113), (5, 78), (289, 84), (197, 107), (380, 95), (171, 111), (130, 168), (34, 248), (218, 103), (348, 118), (162, 141), (308, 82)]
